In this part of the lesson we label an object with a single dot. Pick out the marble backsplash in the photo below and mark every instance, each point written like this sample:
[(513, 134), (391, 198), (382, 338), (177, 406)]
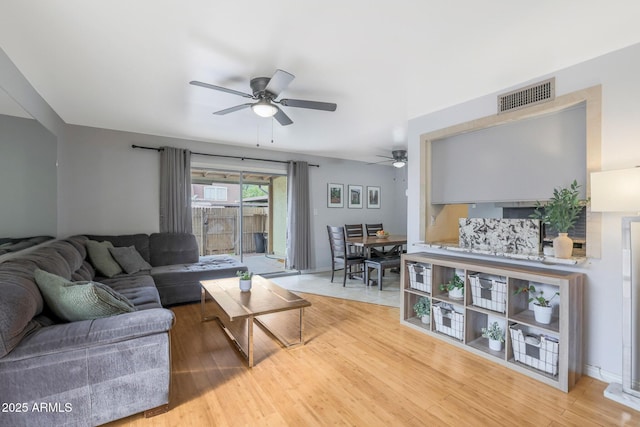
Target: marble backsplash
[(518, 236)]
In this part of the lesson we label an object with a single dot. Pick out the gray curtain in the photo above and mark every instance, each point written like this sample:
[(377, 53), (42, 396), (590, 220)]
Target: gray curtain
[(298, 253), (175, 190)]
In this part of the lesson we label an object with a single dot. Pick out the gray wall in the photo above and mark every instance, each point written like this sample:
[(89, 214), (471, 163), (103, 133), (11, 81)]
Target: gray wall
[(108, 187), (28, 155), (28, 185), (617, 72)]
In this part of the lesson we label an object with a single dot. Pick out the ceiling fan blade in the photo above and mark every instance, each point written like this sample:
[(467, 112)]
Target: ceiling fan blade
[(279, 82), (377, 163), (232, 109), (220, 88), (313, 105), (282, 118), (385, 157)]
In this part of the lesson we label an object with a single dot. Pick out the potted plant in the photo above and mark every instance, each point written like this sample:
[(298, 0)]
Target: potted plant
[(423, 309), (495, 334), (245, 280), (542, 309), (561, 213), (455, 287)]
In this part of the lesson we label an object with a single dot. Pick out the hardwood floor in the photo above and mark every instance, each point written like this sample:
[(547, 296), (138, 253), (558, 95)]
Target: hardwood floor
[(360, 367)]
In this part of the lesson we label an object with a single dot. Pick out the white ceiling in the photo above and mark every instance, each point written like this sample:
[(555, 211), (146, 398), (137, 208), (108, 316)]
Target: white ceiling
[(126, 64)]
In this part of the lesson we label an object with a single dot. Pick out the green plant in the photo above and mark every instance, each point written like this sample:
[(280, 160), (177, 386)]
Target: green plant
[(422, 307), (244, 275), (493, 332), (562, 210), (452, 284), (536, 299)]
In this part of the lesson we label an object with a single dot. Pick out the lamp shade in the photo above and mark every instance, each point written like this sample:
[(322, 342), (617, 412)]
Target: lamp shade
[(616, 190), (264, 108)]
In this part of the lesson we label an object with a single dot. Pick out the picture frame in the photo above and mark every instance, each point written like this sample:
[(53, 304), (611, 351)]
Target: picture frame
[(335, 195), (373, 197), (355, 196)]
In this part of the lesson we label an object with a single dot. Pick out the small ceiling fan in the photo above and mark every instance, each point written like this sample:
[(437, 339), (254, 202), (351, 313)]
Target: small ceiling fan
[(398, 160), (265, 90)]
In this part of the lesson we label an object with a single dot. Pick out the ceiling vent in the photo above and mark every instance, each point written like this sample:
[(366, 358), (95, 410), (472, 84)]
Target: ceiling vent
[(525, 97)]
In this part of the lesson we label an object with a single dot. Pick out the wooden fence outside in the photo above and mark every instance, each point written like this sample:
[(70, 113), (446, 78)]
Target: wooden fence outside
[(216, 229)]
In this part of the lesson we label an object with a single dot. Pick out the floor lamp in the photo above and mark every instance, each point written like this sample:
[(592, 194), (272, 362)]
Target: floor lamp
[(619, 191)]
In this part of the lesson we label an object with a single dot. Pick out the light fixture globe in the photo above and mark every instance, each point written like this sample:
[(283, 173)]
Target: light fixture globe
[(398, 164), (264, 108)]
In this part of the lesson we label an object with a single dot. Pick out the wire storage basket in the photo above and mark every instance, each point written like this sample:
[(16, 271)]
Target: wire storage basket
[(489, 292), (448, 321), (420, 277), (538, 351)]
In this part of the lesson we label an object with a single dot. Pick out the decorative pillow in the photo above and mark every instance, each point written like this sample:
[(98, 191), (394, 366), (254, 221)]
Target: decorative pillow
[(129, 259), (73, 301), (101, 258)]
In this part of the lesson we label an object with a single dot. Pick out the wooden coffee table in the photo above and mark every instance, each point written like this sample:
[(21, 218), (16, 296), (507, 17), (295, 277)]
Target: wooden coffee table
[(236, 311)]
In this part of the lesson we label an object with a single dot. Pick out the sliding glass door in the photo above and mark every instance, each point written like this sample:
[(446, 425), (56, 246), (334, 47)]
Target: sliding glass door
[(242, 214)]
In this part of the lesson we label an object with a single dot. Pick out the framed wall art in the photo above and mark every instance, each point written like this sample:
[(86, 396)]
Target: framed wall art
[(355, 196), (335, 195), (373, 197)]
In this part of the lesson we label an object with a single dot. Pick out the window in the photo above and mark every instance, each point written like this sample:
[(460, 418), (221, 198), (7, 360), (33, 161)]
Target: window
[(215, 193)]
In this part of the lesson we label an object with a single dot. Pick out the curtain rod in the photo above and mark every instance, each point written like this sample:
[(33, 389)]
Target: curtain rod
[(221, 155)]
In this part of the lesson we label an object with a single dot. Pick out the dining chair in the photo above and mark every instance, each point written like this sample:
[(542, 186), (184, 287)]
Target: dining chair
[(340, 256), (373, 228), (371, 232), (354, 230)]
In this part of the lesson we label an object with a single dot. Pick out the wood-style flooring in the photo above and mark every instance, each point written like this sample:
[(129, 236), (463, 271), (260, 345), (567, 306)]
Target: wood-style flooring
[(360, 367)]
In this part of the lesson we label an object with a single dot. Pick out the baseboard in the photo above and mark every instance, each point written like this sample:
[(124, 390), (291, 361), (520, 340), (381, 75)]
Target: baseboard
[(600, 374)]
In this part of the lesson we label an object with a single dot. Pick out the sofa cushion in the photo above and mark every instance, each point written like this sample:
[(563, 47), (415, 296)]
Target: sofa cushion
[(173, 248), (180, 283), (91, 333), (73, 301), (48, 259), (140, 241), (129, 259), (20, 302), (101, 258), (69, 252), (140, 289), (85, 272)]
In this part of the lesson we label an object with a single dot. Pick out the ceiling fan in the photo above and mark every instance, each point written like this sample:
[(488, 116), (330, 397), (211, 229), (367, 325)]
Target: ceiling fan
[(398, 160), (265, 90)]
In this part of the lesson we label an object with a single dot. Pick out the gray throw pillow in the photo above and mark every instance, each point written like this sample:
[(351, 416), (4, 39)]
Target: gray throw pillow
[(129, 259), (101, 258), (73, 301)]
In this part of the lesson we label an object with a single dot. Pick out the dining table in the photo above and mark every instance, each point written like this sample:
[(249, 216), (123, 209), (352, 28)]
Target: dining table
[(369, 243)]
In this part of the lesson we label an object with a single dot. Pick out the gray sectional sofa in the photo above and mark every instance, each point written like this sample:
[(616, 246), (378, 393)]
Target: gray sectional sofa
[(15, 244), (176, 267), (90, 372)]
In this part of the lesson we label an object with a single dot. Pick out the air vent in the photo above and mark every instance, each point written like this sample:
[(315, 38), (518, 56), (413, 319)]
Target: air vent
[(525, 97)]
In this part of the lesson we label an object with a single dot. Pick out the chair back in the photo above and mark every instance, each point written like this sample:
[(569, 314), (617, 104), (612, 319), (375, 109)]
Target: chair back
[(373, 228), (354, 230), (337, 241)]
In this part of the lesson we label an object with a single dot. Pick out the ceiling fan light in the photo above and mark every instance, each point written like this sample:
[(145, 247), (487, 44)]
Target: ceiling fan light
[(398, 163), (264, 108)]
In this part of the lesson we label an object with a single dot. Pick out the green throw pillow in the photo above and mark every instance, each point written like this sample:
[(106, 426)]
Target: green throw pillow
[(129, 259), (73, 301), (101, 258)]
